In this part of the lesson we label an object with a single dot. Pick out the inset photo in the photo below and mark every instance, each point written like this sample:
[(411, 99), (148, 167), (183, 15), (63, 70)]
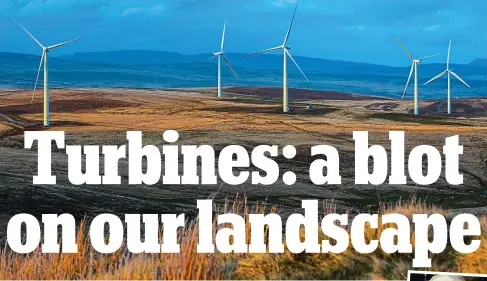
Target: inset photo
[(444, 276)]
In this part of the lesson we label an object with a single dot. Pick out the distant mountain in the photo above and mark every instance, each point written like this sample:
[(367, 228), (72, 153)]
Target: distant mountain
[(151, 60), (479, 62), (154, 69), (268, 61), (132, 57), (265, 61)]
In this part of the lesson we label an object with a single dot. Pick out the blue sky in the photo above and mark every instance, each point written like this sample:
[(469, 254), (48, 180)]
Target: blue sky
[(355, 30)]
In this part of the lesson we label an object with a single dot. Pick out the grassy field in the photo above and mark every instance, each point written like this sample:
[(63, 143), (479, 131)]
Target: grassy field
[(88, 264), (198, 109), (245, 117)]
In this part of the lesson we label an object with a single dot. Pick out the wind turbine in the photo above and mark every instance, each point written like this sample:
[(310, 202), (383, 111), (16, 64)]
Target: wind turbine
[(220, 55), (286, 53), (45, 51), (414, 68), (448, 71)]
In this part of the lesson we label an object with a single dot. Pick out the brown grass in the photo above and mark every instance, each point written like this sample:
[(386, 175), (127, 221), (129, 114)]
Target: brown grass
[(87, 264), (128, 109), (475, 262)]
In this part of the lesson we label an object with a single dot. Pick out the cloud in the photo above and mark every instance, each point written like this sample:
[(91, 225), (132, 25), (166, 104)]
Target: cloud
[(283, 3), (147, 11), (432, 28), (307, 5), (106, 8), (355, 27), (131, 11), (9, 7)]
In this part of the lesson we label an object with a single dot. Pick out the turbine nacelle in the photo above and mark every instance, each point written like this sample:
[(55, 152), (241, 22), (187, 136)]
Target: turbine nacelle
[(45, 50), (284, 46), (221, 55), (448, 72), (414, 69), (285, 49)]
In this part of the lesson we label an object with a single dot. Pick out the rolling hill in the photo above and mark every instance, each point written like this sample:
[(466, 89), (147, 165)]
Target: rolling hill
[(268, 61)]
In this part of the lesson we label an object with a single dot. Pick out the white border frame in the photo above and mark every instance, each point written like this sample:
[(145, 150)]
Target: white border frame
[(444, 273)]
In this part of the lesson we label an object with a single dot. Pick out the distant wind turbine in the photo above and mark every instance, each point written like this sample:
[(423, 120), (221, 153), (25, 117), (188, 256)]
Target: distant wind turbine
[(45, 51), (448, 71), (285, 49), (220, 55), (414, 67)]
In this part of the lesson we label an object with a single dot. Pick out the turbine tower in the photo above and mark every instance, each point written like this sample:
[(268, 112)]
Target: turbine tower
[(414, 68), (285, 48), (220, 55), (448, 71), (45, 51)]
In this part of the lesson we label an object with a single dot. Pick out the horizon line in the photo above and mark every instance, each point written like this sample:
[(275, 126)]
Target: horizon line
[(209, 52)]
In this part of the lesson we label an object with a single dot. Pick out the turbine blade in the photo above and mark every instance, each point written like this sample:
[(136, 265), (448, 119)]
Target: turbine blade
[(210, 58), (64, 43), (291, 57), (409, 79), (436, 77), (223, 36), (427, 57), (263, 51), (403, 47), (37, 78), (458, 77), (448, 58), (229, 66), (290, 25), (31, 36)]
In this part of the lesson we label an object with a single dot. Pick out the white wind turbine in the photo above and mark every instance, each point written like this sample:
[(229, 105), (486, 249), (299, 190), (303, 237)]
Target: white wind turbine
[(220, 55), (448, 71), (414, 67), (286, 53), (45, 51)]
